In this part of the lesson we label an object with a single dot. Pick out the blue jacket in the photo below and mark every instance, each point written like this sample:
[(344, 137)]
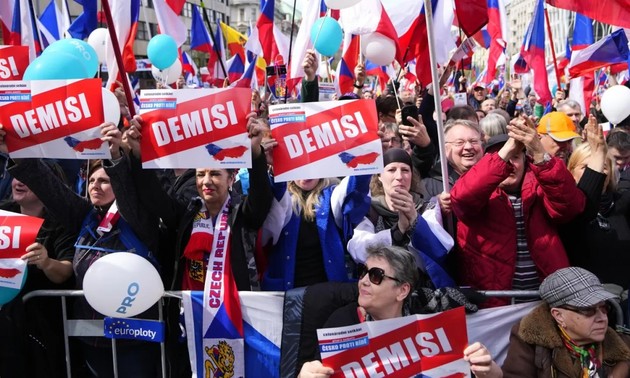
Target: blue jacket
[(340, 209)]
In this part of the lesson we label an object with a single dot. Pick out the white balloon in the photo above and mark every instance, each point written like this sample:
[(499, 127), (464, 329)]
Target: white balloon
[(122, 285), (111, 107), (340, 4), (378, 49), (169, 75), (98, 39), (616, 103)]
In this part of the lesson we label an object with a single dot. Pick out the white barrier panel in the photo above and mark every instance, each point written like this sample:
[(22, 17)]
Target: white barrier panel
[(262, 313), (491, 327)]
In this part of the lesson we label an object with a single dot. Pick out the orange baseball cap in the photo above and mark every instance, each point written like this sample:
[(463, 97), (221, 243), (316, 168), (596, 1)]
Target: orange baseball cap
[(558, 126)]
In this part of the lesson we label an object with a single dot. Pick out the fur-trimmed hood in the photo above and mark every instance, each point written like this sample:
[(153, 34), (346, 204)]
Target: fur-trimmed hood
[(539, 328)]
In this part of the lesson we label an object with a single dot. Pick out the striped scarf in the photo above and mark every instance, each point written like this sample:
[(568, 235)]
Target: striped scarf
[(586, 354)]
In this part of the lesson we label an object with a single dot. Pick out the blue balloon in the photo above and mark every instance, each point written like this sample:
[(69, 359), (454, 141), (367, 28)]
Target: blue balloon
[(80, 49), (326, 36), (7, 294), (57, 66), (162, 51)]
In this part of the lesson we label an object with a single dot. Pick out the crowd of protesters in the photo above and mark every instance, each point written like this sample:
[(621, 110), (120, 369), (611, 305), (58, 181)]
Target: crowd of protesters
[(530, 195)]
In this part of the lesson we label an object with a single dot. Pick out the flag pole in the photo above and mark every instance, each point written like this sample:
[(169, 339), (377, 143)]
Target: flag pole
[(119, 62), (428, 11), (553, 49), (286, 82), (214, 42)]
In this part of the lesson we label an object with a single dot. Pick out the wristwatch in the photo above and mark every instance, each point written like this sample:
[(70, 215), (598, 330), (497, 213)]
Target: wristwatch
[(357, 86), (546, 158)]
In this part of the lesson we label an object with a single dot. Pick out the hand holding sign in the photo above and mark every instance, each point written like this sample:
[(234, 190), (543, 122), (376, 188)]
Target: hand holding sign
[(481, 362), (255, 133), (36, 254), (113, 136), (131, 137), (312, 369)]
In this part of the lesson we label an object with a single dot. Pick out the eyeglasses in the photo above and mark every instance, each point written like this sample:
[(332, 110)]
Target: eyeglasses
[(462, 142), (589, 312), (375, 275)]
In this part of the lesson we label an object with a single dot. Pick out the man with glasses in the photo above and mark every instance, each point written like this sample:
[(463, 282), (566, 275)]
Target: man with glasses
[(463, 150), (508, 206), (568, 335)]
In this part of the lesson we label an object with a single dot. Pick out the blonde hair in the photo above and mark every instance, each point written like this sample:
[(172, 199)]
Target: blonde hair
[(582, 152), (311, 201)]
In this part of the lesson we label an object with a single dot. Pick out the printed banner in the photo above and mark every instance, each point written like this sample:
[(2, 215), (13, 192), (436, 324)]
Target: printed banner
[(430, 345), (325, 139), (53, 119), (17, 232), (13, 62), (195, 128), (134, 329)]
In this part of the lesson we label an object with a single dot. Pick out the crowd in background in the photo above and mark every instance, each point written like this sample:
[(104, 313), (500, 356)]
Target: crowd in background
[(530, 194)]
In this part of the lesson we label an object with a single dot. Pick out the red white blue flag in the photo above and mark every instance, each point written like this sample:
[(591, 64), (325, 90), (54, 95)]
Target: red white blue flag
[(533, 52)]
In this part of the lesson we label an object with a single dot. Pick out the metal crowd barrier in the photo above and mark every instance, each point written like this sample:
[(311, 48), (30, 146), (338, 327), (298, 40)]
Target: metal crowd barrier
[(94, 328)]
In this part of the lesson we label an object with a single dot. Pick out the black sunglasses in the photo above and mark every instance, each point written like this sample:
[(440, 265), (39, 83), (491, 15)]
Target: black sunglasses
[(589, 312), (375, 275)]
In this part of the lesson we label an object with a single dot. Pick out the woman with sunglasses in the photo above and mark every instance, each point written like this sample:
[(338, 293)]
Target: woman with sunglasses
[(396, 217), (568, 335), (385, 283)]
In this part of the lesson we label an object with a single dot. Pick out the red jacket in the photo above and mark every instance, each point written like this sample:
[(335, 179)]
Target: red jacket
[(486, 232)]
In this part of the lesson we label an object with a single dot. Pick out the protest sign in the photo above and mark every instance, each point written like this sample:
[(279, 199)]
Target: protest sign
[(326, 91), (195, 128), (17, 232), (431, 345), (53, 119), (13, 62), (460, 99), (325, 139)]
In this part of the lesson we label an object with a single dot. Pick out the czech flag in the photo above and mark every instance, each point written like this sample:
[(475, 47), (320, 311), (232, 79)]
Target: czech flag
[(610, 50), (472, 15), (614, 12), (236, 69), (348, 63), (581, 87), (125, 16), (23, 31), (408, 17), (533, 52), (167, 14), (497, 29), (266, 32), (247, 80)]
